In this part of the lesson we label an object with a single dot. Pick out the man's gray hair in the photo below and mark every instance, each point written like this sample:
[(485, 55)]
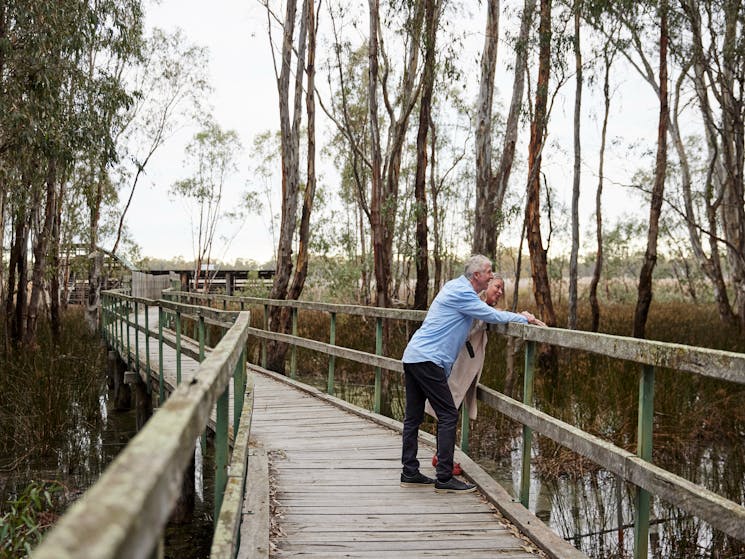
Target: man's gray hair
[(476, 263)]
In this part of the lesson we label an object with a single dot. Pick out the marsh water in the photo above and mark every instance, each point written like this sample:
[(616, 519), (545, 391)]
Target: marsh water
[(83, 454)]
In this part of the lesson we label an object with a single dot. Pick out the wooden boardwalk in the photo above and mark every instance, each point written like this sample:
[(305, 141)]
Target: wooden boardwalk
[(337, 493), (324, 482)]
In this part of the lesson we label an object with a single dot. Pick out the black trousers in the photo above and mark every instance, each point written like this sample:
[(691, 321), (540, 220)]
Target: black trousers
[(426, 381)]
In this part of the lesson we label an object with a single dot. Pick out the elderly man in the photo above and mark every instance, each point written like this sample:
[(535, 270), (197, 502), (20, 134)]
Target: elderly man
[(428, 359)]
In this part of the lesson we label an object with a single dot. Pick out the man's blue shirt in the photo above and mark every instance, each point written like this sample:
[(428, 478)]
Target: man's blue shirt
[(448, 321)]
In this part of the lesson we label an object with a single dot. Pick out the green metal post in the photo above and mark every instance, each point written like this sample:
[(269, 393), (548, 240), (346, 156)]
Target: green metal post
[(465, 426), (530, 348), (121, 325), (201, 335), (263, 340), (332, 358), (644, 451), (293, 353), (137, 336), (239, 390), (378, 370), (178, 348), (221, 450), (127, 319), (161, 381), (200, 329), (147, 348)]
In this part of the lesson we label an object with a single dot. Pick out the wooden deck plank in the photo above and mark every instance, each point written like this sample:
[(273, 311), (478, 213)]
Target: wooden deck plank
[(338, 491)]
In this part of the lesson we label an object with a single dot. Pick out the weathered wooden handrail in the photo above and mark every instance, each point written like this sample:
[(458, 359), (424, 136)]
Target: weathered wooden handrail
[(721, 513), (124, 513)]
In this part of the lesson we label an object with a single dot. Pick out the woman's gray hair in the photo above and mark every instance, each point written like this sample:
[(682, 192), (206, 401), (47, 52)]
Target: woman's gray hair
[(476, 263)]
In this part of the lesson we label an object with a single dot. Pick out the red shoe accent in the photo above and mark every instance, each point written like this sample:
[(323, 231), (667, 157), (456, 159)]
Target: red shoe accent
[(457, 470)]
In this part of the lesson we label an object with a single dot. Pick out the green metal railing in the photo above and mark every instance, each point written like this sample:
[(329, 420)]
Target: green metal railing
[(721, 513), (124, 513)]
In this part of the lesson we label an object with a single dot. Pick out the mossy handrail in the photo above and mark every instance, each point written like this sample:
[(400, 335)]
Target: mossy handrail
[(124, 513), (721, 513)]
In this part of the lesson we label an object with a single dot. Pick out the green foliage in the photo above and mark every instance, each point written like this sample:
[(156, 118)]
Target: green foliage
[(22, 526)]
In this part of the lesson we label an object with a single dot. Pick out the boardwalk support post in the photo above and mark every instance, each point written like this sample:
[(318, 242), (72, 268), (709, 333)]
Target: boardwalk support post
[(143, 402), (644, 451), (122, 394), (183, 510), (530, 348)]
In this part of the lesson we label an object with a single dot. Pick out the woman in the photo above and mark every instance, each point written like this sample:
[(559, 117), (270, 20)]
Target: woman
[(466, 372)]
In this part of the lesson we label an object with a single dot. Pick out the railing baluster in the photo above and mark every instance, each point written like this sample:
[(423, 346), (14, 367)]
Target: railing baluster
[(147, 348), (378, 370), (200, 333), (465, 426), (530, 348), (293, 354), (332, 358), (644, 451), (178, 348), (221, 450), (239, 391), (129, 354), (263, 341), (137, 336), (161, 380)]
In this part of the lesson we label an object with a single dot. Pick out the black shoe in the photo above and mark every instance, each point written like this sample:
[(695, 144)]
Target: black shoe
[(453, 485), (416, 480)]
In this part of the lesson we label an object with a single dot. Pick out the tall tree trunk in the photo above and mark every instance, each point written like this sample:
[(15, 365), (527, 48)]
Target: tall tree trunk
[(41, 247), (711, 265), (19, 270), (484, 230), (54, 251), (538, 262), (572, 318), (594, 306), (733, 138), (3, 198), (95, 258), (502, 177), (436, 218), (431, 18), (301, 268), (279, 318), (382, 275), (644, 296)]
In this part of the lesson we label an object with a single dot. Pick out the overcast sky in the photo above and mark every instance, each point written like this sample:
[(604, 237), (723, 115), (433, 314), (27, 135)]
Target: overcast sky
[(245, 100)]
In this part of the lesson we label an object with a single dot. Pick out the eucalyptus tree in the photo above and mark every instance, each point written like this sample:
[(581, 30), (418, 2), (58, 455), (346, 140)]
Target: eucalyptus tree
[(538, 259), (576, 43), (432, 10), (644, 290), (484, 212), (114, 30), (290, 128), (714, 213), (212, 154), (57, 79)]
